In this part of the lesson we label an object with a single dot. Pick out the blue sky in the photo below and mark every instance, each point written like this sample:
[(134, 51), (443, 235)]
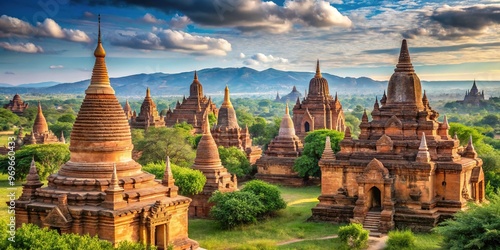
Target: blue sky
[(53, 40)]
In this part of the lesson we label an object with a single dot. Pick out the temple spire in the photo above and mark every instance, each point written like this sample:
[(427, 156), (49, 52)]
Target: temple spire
[(328, 152), (364, 118), (227, 100), (99, 83), (423, 151), (404, 62), (114, 183), (148, 93), (195, 75), (318, 71), (168, 177), (40, 124), (470, 151)]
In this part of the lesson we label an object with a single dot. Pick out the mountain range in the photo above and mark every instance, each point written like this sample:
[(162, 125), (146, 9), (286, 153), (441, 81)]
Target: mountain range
[(240, 80)]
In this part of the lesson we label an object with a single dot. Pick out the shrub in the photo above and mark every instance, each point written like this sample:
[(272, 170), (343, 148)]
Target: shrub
[(353, 236), (235, 208), (189, 181), (268, 194), (400, 240), (235, 161)]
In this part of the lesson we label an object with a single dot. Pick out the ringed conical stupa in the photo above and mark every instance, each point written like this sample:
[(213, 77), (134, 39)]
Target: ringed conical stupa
[(148, 115), (40, 133)]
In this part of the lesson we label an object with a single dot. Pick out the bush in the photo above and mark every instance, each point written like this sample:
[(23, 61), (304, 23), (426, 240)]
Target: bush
[(235, 161), (400, 240), (268, 194), (190, 181), (353, 236), (235, 208), (476, 228)]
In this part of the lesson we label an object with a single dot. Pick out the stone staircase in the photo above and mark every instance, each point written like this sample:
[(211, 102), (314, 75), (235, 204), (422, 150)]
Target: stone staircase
[(371, 223)]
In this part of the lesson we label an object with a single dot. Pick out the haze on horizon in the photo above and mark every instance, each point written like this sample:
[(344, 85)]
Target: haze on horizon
[(53, 40)]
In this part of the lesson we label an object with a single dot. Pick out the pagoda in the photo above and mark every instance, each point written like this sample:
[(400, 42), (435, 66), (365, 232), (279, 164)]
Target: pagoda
[(276, 166), (16, 105), (218, 179), (148, 116), (193, 109), (473, 97), (101, 190), (404, 171), (291, 97), (318, 110), (40, 133), (128, 110), (227, 132)]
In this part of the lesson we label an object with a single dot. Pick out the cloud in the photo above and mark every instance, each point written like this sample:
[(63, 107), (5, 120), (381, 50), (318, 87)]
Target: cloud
[(56, 67), (179, 22), (9, 73), (316, 13), (22, 47), (11, 26), (262, 59), (160, 39), (433, 49), (149, 18), (241, 56), (88, 14)]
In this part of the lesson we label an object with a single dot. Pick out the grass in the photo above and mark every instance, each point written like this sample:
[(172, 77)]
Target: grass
[(427, 241), (291, 223), (4, 137)]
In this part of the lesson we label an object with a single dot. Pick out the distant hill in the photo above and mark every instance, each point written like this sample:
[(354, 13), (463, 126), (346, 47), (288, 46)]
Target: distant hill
[(240, 80), (5, 85)]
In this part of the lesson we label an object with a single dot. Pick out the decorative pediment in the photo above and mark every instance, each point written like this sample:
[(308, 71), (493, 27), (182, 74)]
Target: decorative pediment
[(375, 169), (394, 122), (384, 144), (58, 217)]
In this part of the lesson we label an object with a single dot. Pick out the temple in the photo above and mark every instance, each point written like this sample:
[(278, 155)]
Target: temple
[(404, 171), (318, 110), (148, 116), (290, 97), (101, 190), (16, 105), (218, 179), (227, 132), (276, 166), (40, 133), (473, 97), (193, 109), (129, 113)]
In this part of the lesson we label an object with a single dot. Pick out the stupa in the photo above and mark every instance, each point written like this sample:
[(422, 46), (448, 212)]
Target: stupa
[(227, 132), (276, 166), (193, 109), (101, 190), (404, 171), (473, 97), (148, 116), (128, 110), (319, 110), (40, 133), (16, 105), (218, 179)]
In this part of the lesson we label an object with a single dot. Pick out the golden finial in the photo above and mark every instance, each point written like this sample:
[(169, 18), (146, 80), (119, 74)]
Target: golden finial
[(318, 71), (227, 101)]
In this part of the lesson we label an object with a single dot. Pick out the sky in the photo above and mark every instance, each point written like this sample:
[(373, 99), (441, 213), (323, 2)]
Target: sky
[(53, 40)]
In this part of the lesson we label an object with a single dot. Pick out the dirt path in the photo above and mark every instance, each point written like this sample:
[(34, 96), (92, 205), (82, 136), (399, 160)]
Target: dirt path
[(374, 243)]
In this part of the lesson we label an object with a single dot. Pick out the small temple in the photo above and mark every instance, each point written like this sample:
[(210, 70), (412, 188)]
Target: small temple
[(473, 97), (148, 116), (16, 105), (40, 133), (129, 113), (218, 179), (101, 190), (276, 166), (290, 97), (318, 110), (405, 170), (227, 132), (193, 109)]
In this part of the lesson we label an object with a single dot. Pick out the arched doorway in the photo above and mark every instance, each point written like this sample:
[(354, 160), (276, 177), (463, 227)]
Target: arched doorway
[(374, 199), (307, 127)]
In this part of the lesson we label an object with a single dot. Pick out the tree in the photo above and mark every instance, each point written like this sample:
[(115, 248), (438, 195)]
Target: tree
[(7, 119), (235, 161), (235, 208), (59, 127), (71, 118), (190, 181), (268, 194), (307, 164), (475, 228)]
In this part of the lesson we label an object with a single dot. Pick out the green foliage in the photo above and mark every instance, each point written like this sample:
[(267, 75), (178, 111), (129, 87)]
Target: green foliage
[(235, 161), (48, 158), (65, 127), (8, 119), (400, 240), (268, 194), (189, 181), (71, 118), (212, 119), (235, 208), (353, 236), (476, 228), (307, 164), (157, 143)]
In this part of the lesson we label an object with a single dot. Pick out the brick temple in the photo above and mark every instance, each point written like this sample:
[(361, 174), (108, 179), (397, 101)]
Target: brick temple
[(40, 133), (276, 165), (101, 190), (473, 97), (318, 110), (227, 132), (16, 105), (129, 113), (404, 171), (193, 109), (148, 115), (218, 179)]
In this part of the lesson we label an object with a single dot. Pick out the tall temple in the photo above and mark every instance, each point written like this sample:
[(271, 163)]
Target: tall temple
[(276, 166), (16, 105), (101, 190), (218, 179), (473, 97), (290, 97), (318, 110), (227, 132), (194, 109), (40, 133), (148, 116), (404, 171)]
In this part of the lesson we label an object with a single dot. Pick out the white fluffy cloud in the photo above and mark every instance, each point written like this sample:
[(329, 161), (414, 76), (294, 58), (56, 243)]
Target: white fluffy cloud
[(11, 26), (160, 39), (149, 18), (260, 59), (56, 66), (22, 47)]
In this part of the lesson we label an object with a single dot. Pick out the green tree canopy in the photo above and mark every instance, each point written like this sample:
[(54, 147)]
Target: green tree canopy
[(235, 161), (8, 119), (190, 181)]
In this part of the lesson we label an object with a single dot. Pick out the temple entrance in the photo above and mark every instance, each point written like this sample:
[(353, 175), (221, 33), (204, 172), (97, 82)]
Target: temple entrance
[(307, 127), (374, 199), (161, 236)]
